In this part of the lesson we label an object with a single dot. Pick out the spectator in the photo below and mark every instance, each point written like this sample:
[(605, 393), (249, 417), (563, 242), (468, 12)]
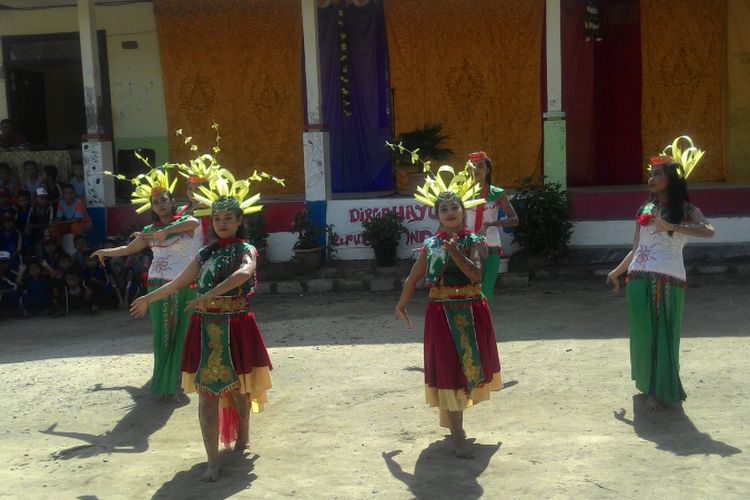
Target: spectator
[(82, 247), (54, 191), (71, 215), (125, 282), (76, 295), (64, 266), (35, 290), (96, 278), (51, 252), (7, 180), (23, 210), (8, 137), (11, 240), (78, 181), (8, 287), (40, 216), (5, 205), (32, 180)]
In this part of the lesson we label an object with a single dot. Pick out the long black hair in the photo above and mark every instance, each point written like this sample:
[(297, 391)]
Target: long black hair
[(155, 217), (488, 175), (677, 194)]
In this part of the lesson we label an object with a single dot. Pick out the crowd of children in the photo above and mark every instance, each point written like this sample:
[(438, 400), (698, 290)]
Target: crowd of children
[(46, 266)]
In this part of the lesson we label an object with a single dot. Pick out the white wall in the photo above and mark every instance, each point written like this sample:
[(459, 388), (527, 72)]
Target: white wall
[(620, 232), (135, 75)]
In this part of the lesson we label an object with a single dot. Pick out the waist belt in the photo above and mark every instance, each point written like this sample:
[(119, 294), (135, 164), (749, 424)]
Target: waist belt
[(224, 305), (446, 292)]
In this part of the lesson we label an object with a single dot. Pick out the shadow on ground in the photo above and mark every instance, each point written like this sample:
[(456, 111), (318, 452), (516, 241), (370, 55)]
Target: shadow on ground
[(236, 476), (367, 319), (438, 473), (672, 430), (131, 434)]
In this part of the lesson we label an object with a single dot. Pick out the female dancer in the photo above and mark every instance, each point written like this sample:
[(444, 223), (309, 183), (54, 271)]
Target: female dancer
[(461, 362), (170, 238), (656, 275), (483, 219), (225, 359)]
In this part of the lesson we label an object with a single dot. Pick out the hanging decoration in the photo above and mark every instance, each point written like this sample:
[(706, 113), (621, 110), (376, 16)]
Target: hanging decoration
[(591, 21), (345, 74)]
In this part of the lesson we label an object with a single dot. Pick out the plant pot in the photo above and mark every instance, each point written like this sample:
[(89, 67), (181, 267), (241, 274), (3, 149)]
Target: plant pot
[(503, 269), (402, 180), (309, 258), (415, 180), (385, 254)]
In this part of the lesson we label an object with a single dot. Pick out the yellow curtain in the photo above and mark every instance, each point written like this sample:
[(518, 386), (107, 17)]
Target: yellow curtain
[(475, 67), (738, 102), (236, 62), (683, 57)]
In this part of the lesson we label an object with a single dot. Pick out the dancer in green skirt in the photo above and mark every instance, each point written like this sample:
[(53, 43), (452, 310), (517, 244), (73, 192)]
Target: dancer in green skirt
[(171, 240), (656, 283), (483, 219)]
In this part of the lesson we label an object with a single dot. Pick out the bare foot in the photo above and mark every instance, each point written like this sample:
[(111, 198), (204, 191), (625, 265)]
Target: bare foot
[(211, 474), (462, 446), (653, 404), (240, 445), (463, 449)]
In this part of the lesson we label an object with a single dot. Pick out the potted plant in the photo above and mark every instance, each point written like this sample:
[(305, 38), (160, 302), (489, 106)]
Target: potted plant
[(544, 221), (255, 232), (383, 233), (428, 141), (307, 248)]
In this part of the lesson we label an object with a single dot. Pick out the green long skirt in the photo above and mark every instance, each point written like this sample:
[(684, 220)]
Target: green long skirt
[(655, 304), (489, 274), (169, 322)]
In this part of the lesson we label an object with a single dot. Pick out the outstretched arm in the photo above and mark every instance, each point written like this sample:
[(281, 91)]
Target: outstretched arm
[(131, 248), (139, 306), (417, 273), (613, 277)]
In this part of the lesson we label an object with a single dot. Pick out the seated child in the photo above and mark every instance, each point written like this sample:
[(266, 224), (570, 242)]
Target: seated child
[(78, 181), (35, 290), (70, 216), (96, 279), (11, 240), (8, 287)]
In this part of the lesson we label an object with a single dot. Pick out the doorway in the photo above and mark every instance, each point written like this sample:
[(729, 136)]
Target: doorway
[(44, 87)]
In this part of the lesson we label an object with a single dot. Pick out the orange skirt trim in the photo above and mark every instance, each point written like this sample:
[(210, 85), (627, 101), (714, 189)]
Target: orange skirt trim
[(457, 399)]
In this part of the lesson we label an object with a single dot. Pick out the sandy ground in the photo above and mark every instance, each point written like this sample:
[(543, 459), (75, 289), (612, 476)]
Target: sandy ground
[(346, 417)]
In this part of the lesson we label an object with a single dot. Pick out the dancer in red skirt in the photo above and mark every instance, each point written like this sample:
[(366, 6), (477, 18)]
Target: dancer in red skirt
[(461, 362), (224, 359)]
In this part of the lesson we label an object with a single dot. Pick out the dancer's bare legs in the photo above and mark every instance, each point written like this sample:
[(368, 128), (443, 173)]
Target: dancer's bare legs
[(463, 450), (208, 415), (243, 411)]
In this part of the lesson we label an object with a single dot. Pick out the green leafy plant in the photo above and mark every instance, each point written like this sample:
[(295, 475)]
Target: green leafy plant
[(255, 230), (307, 238), (331, 238), (426, 140), (384, 230), (545, 223)]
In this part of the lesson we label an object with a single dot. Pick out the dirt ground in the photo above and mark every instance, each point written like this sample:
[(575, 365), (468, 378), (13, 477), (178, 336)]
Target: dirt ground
[(347, 419)]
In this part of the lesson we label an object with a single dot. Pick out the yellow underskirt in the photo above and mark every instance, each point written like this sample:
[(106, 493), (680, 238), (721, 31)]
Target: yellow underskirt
[(457, 400), (253, 385)]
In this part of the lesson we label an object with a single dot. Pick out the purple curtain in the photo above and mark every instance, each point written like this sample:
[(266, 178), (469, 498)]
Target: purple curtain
[(358, 131)]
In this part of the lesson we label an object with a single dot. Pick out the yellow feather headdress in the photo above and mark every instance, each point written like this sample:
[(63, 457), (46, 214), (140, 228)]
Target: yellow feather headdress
[(687, 158), (223, 185), (152, 183), (463, 184)]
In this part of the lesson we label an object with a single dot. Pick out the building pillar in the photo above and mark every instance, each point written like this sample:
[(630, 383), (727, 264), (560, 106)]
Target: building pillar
[(315, 139), (97, 146), (555, 168)]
